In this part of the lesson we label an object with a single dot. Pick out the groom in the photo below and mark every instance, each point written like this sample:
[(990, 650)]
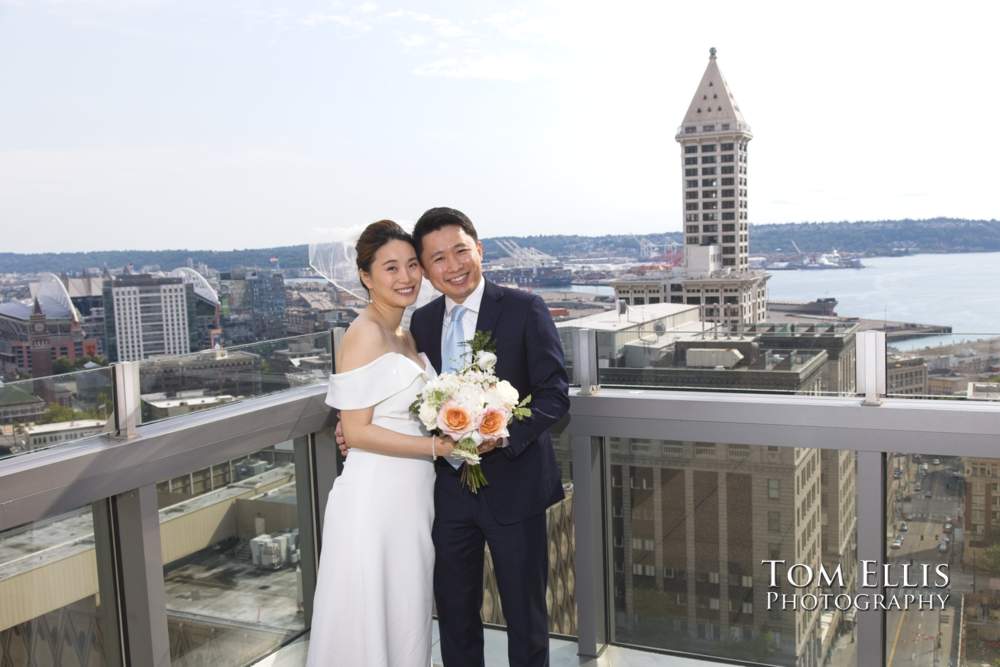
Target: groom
[(521, 470)]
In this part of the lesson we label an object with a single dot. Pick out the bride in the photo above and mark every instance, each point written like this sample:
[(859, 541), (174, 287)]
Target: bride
[(373, 595)]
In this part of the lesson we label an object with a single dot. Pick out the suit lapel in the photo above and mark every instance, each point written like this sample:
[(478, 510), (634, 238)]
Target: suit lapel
[(433, 349), (489, 308)]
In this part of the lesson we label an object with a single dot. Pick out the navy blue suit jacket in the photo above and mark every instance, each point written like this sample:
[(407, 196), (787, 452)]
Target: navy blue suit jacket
[(523, 477)]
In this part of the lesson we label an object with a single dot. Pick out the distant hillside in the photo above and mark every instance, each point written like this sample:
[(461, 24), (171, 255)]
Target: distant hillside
[(936, 235), (289, 257), (883, 237)]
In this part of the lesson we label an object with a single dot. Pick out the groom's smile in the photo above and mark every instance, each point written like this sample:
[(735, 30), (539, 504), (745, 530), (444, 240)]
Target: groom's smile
[(453, 261)]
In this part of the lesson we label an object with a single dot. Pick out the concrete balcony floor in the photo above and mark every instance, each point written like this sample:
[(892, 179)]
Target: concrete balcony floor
[(562, 654)]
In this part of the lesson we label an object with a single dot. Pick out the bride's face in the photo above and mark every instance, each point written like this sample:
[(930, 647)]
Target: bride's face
[(394, 279)]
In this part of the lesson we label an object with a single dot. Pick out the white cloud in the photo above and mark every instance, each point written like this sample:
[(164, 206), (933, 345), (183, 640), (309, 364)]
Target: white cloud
[(413, 41), (489, 66), (343, 20)]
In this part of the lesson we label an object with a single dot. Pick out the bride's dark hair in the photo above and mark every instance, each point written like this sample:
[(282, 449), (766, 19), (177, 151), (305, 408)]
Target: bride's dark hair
[(374, 237)]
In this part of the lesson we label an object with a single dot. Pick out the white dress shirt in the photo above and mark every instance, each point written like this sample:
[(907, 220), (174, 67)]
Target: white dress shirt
[(470, 318)]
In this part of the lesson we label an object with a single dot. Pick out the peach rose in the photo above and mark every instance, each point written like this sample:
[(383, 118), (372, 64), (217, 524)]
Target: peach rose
[(455, 420), (494, 424)]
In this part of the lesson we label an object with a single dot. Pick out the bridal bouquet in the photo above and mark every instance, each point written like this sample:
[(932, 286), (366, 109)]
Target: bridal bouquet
[(470, 406)]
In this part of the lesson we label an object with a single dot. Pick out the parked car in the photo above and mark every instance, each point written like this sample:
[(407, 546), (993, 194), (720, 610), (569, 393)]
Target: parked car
[(943, 547), (936, 462), (928, 494), (947, 527), (904, 527), (897, 543)]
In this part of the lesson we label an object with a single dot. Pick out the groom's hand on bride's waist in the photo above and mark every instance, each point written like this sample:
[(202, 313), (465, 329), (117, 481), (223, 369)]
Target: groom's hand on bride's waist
[(341, 442)]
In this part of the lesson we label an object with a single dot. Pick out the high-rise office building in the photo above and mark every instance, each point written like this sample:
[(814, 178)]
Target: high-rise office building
[(147, 316), (716, 273)]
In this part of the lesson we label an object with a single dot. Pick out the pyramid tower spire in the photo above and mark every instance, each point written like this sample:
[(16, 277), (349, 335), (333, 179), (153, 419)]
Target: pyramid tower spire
[(713, 101)]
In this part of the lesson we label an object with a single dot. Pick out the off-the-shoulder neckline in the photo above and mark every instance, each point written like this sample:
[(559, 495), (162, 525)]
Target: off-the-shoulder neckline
[(389, 354)]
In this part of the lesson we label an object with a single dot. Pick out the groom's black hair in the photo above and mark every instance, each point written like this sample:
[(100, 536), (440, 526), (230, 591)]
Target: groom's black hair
[(436, 218)]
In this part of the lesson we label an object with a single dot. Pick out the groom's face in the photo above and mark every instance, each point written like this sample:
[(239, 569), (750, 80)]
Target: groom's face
[(452, 261)]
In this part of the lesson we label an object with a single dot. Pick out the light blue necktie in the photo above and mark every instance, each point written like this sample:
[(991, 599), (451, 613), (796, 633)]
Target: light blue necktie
[(453, 353), (453, 347)]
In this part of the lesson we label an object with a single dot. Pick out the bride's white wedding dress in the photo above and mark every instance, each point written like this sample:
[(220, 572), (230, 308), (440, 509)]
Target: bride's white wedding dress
[(374, 591)]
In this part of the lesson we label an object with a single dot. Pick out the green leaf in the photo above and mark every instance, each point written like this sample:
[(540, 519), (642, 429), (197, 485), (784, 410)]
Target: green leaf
[(482, 341)]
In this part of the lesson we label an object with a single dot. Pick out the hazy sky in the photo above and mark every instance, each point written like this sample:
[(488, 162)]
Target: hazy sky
[(242, 123)]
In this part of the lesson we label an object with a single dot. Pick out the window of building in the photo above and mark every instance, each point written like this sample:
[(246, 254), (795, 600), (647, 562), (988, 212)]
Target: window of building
[(692, 182), (676, 299), (690, 129), (730, 169), (707, 159), (692, 229), (774, 489), (691, 171), (710, 228), (729, 203), (708, 182), (709, 194), (708, 148), (708, 171), (692, 240), (729, 239), (729, 193), (691, 217), (728, 181), (694, 300), (691, 195), (639, 301), (708, 128), (727, 147), (728, 216), (711, 299), (690, 149), (690, 160), (710, 205), (774, 522), (691, 206), (708, 216), (676, 287), (727, 157)]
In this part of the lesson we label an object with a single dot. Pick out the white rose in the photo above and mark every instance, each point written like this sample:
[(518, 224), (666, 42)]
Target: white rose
[(486, 360), (428, 415), (503, 394)]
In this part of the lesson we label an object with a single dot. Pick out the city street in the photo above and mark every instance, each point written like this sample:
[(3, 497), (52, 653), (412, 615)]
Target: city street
[(924, 637)]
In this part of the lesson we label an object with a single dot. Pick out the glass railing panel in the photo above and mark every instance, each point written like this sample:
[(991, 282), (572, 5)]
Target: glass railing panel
[(943, 516), (52, 608), (231, 554), (560, 598), (51, 411), (813, 359), (178, 385), (953, 366), (690, 526)]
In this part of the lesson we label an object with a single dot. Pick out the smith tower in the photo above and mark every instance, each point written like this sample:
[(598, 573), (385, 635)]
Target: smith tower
[(713, 139), (716, 274)]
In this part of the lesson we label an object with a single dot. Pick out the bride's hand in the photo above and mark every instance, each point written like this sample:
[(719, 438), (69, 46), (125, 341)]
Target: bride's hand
[(444, 445)]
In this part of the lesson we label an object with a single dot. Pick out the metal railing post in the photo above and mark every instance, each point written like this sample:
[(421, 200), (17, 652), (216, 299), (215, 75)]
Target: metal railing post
[(585, 361), (871, 547), (871, 369), (136, 522), (589, 560), (128, 404)]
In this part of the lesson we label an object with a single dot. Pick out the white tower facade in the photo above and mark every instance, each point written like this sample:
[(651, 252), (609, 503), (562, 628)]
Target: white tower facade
[(713, 139)]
